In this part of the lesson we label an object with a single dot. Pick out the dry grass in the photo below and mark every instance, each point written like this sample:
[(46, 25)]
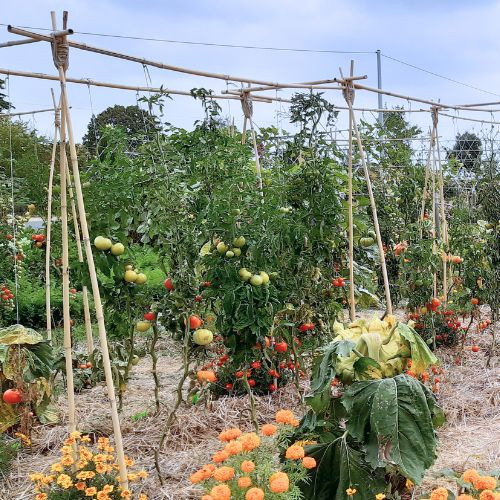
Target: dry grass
[(469, 395)]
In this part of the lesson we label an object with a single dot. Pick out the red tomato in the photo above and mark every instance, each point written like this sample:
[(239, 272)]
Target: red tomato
[(5, 297), (89, 365), (251, 382), (435, 303), (229, 387), (475, 348), (255, 365), (33, 237), (272, 387), (198, 298), (10, 237), (206, 284), (238, 374), (280, 347), (474, 301), (282, 365), (73, 290), (168, 284), (195, 322), (150, 316), (12, 396)]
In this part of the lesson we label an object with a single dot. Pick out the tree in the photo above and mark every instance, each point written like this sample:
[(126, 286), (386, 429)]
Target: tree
[(3, 103), (139, 125), (467, 151)]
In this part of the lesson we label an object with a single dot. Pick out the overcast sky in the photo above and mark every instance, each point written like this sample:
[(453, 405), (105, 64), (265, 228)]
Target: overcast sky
[(458, 39)]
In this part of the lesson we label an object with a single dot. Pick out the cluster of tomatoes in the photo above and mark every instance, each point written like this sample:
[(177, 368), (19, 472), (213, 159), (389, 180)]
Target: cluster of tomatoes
[(306, 327), (38, 240), (6, 295), (338, 282)]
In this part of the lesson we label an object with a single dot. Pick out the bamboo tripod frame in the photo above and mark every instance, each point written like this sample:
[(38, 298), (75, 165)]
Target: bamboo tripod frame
[(66, 123)]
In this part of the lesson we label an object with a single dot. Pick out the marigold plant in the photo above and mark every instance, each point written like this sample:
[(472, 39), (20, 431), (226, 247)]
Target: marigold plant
[(87, 472), (251, 468)]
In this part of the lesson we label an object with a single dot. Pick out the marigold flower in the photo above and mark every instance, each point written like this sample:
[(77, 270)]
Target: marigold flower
[(67, 460), (90, 492), (100, 468), (284, 417), (220, 456), (223, 474), (470, 474), (80, 485), (221, 492), (309, 462), (41, 496), (465, 497), (250, 441), (268, 429), (66, 450), (126, 494), (80, 464), (64, 480), (197, 477), (409, 484), (439, 494), (143, 496), (484, 483), (280, 483), (207, 376), (47, 479), (351, 491), (56, 467), (489, 495), (102, 495), (295, 452), (254, 494), (108, 488), (207, 497), (379, 496), (244, 482), (85, 439), (36, 476), (230, 434), (143, 474), (69, 441), (247, 466), (294, 423), (207, 470), (234, 448)]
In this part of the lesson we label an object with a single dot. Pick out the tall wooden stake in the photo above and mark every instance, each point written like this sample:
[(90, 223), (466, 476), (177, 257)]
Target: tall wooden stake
[(48, 235), (426, 180), (257, 159), (352, 300), (93, 278)]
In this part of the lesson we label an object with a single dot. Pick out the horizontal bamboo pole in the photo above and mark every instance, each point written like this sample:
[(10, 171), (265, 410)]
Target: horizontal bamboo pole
[(469, 119), (29, 112), (94, 83), (13, 43)]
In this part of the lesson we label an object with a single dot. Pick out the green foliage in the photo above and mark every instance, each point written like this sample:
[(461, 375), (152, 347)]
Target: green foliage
[(9, 448)]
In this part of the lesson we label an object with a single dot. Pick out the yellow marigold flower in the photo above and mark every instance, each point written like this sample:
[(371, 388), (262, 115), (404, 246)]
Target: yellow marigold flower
[(295, 452), (80, 464), (56, 467), (284, 417), (484, 483), (220, 456), (268, 429), (223, 474), (250, 441), (126, 494), (85, 453), (221, 492), (254, 494), (233, 448), (247, 466), (36, 477), (47, 479), (351, 491), (108, 488), (100, 468), (439, 494), (86, 439), (379, 496), (309, 462), (90, 492), (489, 495), (244, 482), (76, 434), (67, 460), (66, 449), (69, 441), (64, 480), (470, 474), (129, 462), (143, 496), (465, 497), (41, 496), (143, 474), (230, 434), (100, 457), (409, 484), (102, 495), (80, 485), (109, 449)]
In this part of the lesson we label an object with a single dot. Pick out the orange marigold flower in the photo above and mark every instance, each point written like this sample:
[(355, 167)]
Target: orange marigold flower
[(379, 496), (86, 439), (247, 466), (207, 470), (102, 495), (143, 496), (90, 492), (439, 494), (250, 441), (80, 485), (197, 477), (223, 474), (126, 494), (206, 376), (230, 434), (207, 497), (280, 483), (484, 483), (234, 448), (221, 492), (351, 491), (295, 452), (108, 488), (309, 462), (277, 475), (284, 417), (220, 456), (268, 429), (465, 497), (470, 474), (244, 482), (41, 496), (489, 495), (294, 423), (254, 494), (100, 468)]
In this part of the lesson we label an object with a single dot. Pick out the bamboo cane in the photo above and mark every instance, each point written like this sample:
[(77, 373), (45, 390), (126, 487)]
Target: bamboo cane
[(86, 310), (48, 235), (375, 217), (352, 303), (434, 246), (95, 286), (68, 354), (257, 159), (244, 131), (426, 180)]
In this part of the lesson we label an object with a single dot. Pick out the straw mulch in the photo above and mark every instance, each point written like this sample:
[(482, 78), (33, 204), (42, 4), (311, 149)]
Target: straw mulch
[(469, 394)]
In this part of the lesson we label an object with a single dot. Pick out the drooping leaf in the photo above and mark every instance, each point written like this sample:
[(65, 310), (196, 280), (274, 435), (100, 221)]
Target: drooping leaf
[(394, 417), (18, 334), (421, 355)]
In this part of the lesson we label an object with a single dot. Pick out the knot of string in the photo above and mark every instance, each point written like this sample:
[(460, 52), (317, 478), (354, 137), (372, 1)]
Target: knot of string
[(60, 51), (348, 92), (246, 105)]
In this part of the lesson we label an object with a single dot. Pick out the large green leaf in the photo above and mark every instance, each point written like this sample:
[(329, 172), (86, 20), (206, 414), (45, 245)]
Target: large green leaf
[(421, 355), (394, 418), (340, 466), (18, 334)]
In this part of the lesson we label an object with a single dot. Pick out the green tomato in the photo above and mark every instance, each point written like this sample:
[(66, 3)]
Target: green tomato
[(202, 336), (222, 247), (235, 211), (265, 277), (102, 243), (256, 280), (239, 242), (229, 254), (130, 276), (117, 249), (245, 275), (141, 279), (142, 326), (236, 251)]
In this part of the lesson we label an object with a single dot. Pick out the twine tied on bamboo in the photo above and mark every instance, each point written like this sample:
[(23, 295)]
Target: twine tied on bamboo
[(348, 91), (246, 105)]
